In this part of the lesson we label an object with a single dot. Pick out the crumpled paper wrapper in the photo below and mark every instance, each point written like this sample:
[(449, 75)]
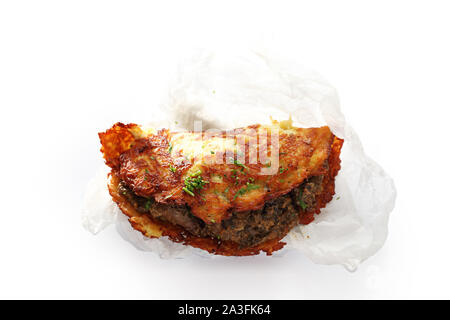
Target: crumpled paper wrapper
[(228, 90)]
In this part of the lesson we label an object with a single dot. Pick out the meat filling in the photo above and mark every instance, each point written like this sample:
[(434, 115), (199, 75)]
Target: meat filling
[(248, 228)]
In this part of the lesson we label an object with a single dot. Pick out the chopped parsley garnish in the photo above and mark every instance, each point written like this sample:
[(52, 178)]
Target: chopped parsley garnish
[(170, 195), (283, 169), (170, 147), (300, 202), (196, 173), (194, 182), (303, 205), (173, 169), (148, 204), (236, 162), (185, 189), (212, 152), (249, 187)]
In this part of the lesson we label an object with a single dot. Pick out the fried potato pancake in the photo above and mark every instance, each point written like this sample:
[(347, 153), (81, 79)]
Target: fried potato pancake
[(218, 173)]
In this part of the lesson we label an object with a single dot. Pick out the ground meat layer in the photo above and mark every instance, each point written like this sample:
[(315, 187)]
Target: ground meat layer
[(247, 228)]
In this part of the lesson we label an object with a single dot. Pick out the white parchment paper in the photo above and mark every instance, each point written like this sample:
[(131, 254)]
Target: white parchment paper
[(227, 90)]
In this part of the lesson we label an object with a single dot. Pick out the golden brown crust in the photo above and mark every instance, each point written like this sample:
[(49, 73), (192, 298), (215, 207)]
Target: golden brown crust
[(116, 141), (153, 228)]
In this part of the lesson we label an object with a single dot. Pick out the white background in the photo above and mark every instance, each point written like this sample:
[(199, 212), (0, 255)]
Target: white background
[(69, 69)]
